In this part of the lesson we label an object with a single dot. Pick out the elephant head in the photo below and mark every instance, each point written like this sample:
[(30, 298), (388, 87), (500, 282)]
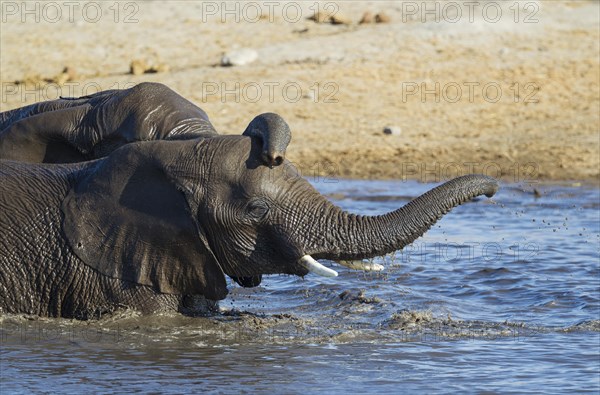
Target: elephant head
[(178, 215), (68, 130)]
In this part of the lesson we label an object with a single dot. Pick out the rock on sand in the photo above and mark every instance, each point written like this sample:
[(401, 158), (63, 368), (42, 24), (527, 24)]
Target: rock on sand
[(239, 57)]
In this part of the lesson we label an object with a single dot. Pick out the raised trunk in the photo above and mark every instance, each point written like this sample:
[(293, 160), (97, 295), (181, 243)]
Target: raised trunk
[(347, 236)]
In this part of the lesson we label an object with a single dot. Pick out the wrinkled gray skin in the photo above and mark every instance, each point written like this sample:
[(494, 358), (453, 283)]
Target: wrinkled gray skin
[(158, 223), (70, 130)]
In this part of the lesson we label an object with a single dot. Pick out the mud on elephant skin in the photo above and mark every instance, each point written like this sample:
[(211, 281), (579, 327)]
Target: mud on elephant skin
[(157, 222), (69, 130)]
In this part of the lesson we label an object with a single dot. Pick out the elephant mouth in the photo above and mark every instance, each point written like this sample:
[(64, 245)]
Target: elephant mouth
[(314, 266), (304, 265)]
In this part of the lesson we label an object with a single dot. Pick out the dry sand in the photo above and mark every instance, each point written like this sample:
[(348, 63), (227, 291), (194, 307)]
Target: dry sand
[(515, 95)]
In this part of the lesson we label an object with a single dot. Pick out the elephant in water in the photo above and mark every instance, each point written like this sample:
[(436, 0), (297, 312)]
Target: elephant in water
[(157, 223), (71, 130)]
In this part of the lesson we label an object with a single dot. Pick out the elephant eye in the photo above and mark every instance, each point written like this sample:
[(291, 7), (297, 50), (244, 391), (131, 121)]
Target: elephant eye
[(257, 209)]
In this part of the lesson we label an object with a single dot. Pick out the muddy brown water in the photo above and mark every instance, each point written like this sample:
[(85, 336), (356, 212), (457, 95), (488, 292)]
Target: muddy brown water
[(501, 295)]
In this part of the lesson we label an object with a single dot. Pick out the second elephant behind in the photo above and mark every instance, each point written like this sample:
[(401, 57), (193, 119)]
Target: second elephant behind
[(69, 130)]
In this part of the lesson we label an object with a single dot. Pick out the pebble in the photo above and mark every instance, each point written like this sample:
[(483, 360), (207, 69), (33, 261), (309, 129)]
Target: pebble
[(60, 79), (309, 95), (393, 130), (366, 18), (319, 17), (340, 20), (239, 57), (137, 67), (324, 17), (382, 18), (160, 68), (68, 74)]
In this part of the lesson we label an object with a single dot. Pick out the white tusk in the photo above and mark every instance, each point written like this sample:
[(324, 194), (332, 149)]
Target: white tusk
[(316, 268), (360, 265)]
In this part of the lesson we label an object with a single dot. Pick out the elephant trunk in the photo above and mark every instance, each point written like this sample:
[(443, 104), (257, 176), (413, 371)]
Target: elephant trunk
[(345, 236)]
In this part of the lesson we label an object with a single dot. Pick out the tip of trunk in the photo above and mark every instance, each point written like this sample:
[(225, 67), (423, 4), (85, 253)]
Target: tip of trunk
[(491, 186)]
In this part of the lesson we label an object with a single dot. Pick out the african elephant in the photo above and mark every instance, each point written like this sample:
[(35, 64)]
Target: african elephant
[(157, 223), (70, 130)]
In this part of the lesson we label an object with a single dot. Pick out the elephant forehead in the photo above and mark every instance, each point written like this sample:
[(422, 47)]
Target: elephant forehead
[(239, 159), (268, 180)]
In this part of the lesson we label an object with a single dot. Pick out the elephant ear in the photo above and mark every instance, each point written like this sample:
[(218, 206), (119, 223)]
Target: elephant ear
[(127, 220)]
